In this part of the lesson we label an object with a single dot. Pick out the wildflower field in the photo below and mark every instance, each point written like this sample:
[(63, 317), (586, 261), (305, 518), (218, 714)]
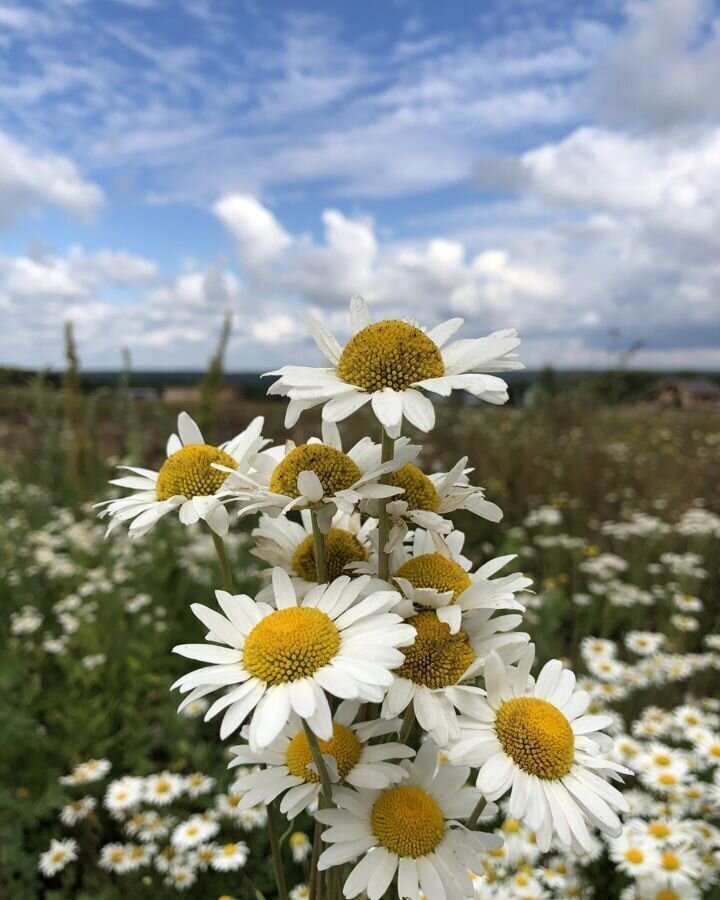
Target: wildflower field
[(107, 792)]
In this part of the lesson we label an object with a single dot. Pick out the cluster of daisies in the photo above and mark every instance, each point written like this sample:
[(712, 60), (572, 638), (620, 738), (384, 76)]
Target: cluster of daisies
[(380, 681), (170, 828)]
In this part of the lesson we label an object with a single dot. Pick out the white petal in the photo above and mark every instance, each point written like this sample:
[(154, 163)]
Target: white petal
[(188, 430), (418, 410), (387, 406), (310, 486), (326, 341), (359, 314), (283, 588)]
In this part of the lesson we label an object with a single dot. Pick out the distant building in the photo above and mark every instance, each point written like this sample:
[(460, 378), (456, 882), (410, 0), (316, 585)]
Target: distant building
[(685, 393)]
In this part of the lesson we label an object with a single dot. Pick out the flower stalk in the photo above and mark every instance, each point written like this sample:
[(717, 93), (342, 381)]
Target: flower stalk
[(319, 545), (222, 556), (388, 451)]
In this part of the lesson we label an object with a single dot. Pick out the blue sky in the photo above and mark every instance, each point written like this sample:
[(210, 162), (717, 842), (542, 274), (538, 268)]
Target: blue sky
[(552, 166)]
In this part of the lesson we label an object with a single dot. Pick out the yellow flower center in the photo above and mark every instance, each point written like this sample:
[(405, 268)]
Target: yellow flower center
[(335, 469), (659, 830), (341, 548), (670, 861), (289, 644), (343, 746), (407, 821), (420, 492), (58, 856), (437, 658), (431, 570), (667, 894), (511, 826), (189, 473), (390, 354), (668, 779), (230, 849), (634, 856), (536, 736), (662, 759)]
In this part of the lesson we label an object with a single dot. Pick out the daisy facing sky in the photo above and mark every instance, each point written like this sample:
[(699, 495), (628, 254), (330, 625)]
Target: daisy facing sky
[(290, 769), (409, 831), (284, 659), (320, 475), (389, 364), (187, 481), (533, 739)]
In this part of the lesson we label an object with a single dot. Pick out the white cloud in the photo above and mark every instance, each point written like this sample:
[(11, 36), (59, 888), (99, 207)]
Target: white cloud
[(258, 236), (76, 275), (672, 183), (664, 69), (29, 182)]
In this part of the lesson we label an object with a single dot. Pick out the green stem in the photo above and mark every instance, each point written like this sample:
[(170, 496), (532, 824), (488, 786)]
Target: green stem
[(276, 854), (319, 545), (224, 562), (388, 451), (326, 798), (408, 722), (329, 881), (471, 823)]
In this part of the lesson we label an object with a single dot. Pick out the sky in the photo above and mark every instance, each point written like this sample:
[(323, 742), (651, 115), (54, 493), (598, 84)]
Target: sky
[(548, 165)]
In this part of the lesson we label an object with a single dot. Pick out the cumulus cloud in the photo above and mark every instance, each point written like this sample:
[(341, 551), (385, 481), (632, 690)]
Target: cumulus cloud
[(664, 69), (29, 182), (671, 183), (258, 236), (565, 284)]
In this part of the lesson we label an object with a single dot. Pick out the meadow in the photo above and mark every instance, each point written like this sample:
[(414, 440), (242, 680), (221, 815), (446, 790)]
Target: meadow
[(613, 511)]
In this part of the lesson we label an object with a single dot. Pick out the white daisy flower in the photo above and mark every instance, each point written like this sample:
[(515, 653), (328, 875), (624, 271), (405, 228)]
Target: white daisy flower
[(389, 364), (168, 858), (181, 877), (198, 784), (300, 892), (290, 767), (113, 858), (429, 498), (288, 658), (58, 856), (633, 854), (300, 846), (320, 475), (290, 545), (439, 660), (137, 856), (409, 831), (87, 772), (433, 580), (676, 868), (123, 794), (203, 855), (532, 739), (230, 857), (75, 812), (187, 481), (162, 788), (196, 830)]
